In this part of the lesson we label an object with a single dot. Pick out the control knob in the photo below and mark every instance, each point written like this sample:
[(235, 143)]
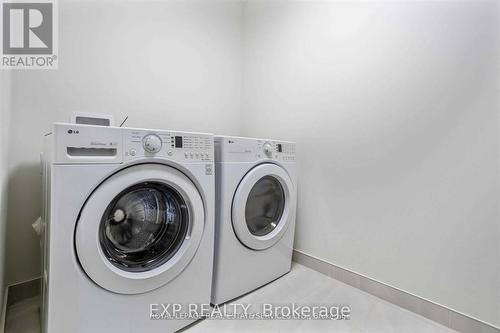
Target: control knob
[(268, 149), (152, 143)]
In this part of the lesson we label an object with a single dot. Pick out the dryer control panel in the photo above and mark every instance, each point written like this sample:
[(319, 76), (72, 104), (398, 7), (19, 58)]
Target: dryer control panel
[(76, 143), (237, 149)]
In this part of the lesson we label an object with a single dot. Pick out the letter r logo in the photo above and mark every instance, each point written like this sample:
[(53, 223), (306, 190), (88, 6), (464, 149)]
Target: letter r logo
[(27, 28)]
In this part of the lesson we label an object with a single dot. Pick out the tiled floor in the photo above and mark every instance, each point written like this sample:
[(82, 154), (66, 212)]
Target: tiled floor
[(302, 286), (23, 317)]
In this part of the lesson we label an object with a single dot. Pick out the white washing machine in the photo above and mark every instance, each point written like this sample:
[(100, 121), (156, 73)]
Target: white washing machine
[(129, 228), (255, 214)]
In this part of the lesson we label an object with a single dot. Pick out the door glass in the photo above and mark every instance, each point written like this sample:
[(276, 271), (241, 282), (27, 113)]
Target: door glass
[(143, 227), (265, 205)]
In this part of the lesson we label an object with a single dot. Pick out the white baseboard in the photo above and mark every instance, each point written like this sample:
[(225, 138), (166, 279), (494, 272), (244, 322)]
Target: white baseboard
[(426, 308), (23, 290), (4, 310)]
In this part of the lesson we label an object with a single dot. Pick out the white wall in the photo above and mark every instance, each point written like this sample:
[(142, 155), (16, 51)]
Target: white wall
[(5, 110), (395, 109), (165, 64)]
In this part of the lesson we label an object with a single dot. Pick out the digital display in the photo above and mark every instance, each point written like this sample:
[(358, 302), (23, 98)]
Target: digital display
[(280, 148), (178, 142)]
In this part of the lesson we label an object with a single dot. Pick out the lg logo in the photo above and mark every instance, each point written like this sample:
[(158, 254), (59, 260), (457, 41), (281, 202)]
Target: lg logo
[(28, 28)]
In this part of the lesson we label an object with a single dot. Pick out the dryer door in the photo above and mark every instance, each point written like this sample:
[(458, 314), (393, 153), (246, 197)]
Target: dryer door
[(140, 228), (263, 206)]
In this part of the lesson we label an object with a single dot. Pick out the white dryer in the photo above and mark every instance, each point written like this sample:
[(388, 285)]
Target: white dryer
[(255, 214), (129, 222)]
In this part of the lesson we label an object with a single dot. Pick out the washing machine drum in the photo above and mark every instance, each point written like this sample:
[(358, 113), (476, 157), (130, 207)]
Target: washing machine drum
[(263, 206), (143, 226), (140, 228)]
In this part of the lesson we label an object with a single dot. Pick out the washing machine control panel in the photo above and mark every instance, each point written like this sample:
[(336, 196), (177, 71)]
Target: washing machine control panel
[(180, 146), (235, 149), (80, 144)]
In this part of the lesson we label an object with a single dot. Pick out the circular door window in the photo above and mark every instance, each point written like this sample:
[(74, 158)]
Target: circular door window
[(139, 228), (143, 227), (263, 206)]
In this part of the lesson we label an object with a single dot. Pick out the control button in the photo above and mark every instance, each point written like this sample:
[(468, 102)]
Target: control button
[(152, 143), (268, 149), (170, 153), (197, 155), (186, 155), (191, 155), (132, 152)]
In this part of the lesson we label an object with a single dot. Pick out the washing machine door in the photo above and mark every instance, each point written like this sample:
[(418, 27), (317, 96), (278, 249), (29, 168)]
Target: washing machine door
[(263, 206), (140, 228)]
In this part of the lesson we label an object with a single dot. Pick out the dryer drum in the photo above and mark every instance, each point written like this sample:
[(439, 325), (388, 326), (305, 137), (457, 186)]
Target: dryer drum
[(265, 206), (143, 226)]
